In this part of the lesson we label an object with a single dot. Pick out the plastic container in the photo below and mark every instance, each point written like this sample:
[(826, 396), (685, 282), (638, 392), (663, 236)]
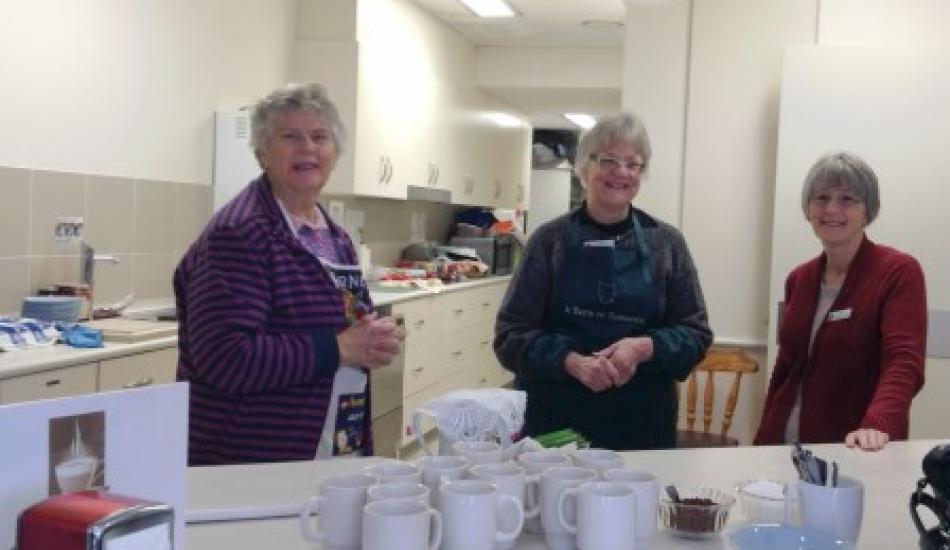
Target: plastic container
[(762, 500), (701, 513)]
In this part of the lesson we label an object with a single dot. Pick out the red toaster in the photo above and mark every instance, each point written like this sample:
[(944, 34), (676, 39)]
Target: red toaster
[(88, 520)]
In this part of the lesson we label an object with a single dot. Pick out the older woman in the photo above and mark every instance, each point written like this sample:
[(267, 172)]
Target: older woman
[(605, 311), (853, 333), (276, 325)]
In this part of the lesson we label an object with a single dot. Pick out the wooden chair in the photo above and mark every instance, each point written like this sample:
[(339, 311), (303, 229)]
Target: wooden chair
[(718, 360)]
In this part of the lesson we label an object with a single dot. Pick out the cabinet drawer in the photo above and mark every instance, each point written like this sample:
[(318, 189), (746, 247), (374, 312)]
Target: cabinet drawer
[(419, 316), (485, 302), (425, 365), (457, 310), (75, 380), (134, 371)]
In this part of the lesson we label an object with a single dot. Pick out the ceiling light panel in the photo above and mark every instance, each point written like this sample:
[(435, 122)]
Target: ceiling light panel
[(489, 8), (581, 120)]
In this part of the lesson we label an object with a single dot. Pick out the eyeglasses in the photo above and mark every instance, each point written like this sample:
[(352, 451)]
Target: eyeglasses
[(609, 163), (845, 202)]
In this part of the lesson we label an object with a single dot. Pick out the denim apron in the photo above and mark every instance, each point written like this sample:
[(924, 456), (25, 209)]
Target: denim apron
[(604, 292)]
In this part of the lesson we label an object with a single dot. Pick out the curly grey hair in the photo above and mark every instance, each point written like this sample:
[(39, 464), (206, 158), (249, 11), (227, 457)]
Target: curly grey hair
[(622, 127), (291, 97), (847, 171)]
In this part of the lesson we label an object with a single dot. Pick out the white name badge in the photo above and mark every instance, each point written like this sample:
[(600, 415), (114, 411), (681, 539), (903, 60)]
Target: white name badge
[(839, 315), (606, 243)]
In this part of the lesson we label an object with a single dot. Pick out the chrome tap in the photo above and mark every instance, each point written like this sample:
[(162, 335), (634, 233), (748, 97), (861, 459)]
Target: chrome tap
[(87, 268)]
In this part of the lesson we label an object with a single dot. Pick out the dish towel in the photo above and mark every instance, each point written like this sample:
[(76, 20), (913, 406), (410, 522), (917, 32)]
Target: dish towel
[(80, 336), (26, 333)]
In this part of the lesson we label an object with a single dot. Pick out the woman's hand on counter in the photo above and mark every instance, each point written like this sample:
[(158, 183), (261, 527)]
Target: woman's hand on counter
[(597, 373), (372, 342), (867, 439)]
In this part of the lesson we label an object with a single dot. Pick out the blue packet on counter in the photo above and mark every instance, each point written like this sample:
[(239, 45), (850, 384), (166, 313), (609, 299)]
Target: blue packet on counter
[(80, 336)]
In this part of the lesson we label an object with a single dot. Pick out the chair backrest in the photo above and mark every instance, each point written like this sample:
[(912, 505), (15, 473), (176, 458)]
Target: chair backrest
[(718, 360)]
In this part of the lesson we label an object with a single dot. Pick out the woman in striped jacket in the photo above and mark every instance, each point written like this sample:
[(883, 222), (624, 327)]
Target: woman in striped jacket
[(277, 332)]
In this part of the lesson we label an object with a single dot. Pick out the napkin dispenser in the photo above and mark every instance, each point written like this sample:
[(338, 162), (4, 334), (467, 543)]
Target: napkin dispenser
[(95, 520)]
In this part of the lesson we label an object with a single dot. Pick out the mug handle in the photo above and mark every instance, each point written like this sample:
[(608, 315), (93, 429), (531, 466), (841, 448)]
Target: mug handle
[(515, 504), (417, 430), (561, 507), (306, 530), (532, 498), (435, 531), (792, 503)]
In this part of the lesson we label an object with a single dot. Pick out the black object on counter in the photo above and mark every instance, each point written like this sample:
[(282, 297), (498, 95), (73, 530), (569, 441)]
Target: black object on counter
[(936, 466)]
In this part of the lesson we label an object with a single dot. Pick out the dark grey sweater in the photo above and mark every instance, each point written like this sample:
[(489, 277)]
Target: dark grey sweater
[(530, 345)]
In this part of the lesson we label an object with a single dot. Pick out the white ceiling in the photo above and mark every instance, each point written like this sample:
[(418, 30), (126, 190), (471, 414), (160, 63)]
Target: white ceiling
[(544, 23), (541, 23)]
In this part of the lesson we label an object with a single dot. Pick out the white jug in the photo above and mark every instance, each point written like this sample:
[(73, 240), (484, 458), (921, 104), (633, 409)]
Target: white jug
[(489, 414)]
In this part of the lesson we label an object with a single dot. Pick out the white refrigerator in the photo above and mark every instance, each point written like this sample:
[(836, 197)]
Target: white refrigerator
[(550, 197)]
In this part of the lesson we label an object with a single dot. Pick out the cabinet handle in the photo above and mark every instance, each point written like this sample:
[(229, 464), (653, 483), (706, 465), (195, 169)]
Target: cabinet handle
[(418, 369), (420, 322), (382, 170), (53, 382), (438, 173), (140, 384), (459, 311), (457, 354), (484, 342), (389, 176), (486, 304)]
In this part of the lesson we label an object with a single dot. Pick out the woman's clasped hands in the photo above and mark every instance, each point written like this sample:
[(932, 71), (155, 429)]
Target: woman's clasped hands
[(612, 366), (371, 341)]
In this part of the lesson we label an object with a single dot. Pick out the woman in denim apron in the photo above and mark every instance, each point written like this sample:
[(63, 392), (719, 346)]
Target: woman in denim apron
[(605, 311)]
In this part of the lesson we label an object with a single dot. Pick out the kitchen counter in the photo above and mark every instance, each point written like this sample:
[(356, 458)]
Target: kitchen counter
[(384, 296), (30, 361), (889, 476)]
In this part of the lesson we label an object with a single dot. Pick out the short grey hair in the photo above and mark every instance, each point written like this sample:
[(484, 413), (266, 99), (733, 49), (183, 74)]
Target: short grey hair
[(292, 97), (847, 171), (610, 129)]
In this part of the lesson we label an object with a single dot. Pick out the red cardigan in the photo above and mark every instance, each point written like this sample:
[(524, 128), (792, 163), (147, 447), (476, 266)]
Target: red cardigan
[(863, 370)]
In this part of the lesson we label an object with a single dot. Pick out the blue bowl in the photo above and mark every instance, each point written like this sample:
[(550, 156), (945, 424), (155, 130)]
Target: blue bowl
[(64, 309), (785, 537)]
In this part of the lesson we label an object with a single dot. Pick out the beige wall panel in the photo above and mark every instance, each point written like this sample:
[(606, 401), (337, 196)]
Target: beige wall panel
[(731, 132)]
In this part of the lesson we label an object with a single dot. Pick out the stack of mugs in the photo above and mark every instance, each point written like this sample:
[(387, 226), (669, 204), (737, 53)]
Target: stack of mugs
[(476, 500)]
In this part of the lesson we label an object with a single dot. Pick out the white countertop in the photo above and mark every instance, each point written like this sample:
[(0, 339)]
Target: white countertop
[(889, 477), (30, 361), (384, 297)]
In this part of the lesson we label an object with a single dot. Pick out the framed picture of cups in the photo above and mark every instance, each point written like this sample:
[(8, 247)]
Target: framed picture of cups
[(77, 451)]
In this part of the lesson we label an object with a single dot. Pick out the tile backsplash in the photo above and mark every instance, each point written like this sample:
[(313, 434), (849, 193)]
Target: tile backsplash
[(145, 224)]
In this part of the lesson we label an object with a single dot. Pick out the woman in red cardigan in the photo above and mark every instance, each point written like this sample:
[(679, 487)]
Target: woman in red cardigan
[(854, 329)]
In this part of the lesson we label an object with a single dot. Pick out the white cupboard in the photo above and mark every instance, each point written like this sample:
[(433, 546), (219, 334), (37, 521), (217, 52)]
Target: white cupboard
[(404, 85)]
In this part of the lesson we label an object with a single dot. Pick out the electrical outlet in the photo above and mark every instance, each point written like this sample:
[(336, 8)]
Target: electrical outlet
[(68, 228)]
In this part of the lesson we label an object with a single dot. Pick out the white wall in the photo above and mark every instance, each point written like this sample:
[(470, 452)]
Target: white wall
[(127, 88), (705, 77)]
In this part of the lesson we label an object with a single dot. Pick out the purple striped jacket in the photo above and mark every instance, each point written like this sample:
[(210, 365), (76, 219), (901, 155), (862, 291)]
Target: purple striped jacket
[(258, 318)]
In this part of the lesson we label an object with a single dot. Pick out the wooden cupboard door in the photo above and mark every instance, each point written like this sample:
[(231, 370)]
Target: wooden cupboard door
[(140, 370), (51, 384)]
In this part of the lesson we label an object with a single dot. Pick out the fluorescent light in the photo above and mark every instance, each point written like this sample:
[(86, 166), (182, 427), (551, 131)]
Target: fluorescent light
[(489, 8), (582, 120), (502, 119)]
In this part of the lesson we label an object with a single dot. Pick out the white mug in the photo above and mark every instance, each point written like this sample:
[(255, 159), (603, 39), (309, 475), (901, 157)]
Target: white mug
[(837, 510), (340, 505), (77, 474), (400, 490), (393, 471), (479, 452), (511, 479), (535, 462), (647, 488), (470, 513), (598, 459), (401, 525), (554, 481), (606, 513), (439, 469)]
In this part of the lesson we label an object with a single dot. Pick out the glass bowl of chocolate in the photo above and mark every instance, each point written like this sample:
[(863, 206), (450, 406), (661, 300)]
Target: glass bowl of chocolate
[(700, 512)]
